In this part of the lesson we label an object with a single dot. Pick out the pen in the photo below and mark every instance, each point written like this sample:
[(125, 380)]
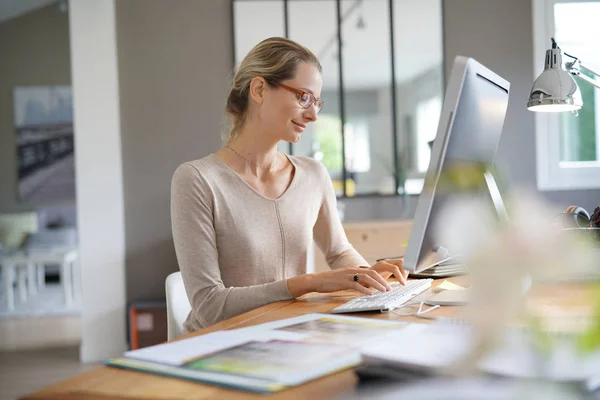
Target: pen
[(387, 258)]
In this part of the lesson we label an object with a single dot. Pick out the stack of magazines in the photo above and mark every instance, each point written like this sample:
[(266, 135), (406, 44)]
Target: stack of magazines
[(270, 357), (265, 358)]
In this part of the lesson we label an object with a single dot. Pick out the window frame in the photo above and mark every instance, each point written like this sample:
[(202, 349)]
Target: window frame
[(398, 189), (551, 173)]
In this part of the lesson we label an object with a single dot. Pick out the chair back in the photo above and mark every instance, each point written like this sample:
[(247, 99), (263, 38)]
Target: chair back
[(178, 305)]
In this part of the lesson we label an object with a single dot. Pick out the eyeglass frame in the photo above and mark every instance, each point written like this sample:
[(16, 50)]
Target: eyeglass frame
[(300, 93)]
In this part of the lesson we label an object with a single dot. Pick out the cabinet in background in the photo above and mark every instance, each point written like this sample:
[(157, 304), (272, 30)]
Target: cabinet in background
[(373, 240)]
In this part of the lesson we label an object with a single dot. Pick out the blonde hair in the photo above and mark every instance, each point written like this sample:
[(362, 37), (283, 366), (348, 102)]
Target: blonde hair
[(275, 59)]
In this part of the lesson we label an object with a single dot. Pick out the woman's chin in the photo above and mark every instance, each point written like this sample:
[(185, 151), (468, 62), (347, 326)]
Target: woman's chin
[(292, 138)]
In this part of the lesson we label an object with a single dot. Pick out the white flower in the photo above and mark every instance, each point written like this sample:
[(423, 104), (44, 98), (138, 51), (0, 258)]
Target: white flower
[(505, 256)]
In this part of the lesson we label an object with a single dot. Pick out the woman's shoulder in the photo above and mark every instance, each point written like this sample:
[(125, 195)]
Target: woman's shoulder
[(199, 169), (309, 164)]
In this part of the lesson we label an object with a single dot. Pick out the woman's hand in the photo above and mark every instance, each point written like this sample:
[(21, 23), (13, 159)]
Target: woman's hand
[(387, 268), (343, 278)]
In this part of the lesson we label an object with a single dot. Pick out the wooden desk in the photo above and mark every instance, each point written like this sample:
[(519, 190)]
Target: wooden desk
[(106, 382)]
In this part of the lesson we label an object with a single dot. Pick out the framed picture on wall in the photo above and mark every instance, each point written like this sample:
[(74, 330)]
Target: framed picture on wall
[(45, 149)]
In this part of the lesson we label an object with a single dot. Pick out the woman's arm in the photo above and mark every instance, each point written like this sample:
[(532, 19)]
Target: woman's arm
[(197, 254), (329, 232), (331, 238)]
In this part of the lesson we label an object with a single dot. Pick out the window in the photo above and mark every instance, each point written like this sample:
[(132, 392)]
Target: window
[(372, 83), (327, 144), (428, 115), (358, 151), (568, 144), (327, 148)]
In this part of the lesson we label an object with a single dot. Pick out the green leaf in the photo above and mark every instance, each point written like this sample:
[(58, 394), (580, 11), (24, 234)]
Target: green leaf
[(543, 341)]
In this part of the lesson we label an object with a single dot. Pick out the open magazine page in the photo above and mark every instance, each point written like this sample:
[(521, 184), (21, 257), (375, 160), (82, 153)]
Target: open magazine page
[(337, 329), (280, 361), (182, 351), (350, 332)]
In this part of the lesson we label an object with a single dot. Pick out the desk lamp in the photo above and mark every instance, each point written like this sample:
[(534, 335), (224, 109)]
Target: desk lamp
[(555, 90)]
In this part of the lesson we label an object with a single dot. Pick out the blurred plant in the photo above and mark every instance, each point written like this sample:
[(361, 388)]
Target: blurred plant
[(590, 340), (505, 257)]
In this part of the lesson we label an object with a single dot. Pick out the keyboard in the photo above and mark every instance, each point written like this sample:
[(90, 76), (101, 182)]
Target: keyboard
[(386, 301)]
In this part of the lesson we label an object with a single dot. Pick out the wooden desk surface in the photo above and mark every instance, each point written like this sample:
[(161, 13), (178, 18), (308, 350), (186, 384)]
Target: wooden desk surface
[(111, 383)]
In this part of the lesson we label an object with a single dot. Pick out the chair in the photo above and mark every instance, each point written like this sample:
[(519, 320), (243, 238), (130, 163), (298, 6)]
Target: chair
[(178, 305), (14, 229), (62, 240), (22, 265)]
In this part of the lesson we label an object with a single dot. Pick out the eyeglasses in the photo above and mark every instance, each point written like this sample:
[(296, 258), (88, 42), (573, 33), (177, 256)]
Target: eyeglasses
[(420, 312), (305, 99)]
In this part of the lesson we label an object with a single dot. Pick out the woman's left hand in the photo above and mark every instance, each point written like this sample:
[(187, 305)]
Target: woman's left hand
[(387, 268)]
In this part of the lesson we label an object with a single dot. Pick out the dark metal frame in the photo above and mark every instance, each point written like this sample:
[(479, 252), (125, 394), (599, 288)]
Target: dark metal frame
[(342, 89), (338, 12)]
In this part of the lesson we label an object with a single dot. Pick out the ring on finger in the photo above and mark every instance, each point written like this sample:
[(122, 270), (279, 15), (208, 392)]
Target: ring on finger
[(355, 278)]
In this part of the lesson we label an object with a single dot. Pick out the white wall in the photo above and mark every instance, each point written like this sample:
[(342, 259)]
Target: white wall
[(150, 82), (99, 177)]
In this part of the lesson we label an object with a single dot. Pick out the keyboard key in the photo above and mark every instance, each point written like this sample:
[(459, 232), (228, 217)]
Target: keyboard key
[(384, 301)]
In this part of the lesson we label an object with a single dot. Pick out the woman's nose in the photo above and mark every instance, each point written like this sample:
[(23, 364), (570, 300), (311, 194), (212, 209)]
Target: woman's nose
[(311, 113)]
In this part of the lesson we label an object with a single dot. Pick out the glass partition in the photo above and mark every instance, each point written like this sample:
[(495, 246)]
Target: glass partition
[(382, 84)]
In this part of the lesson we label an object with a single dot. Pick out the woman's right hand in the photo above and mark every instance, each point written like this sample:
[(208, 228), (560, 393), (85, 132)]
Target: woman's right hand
[(339, 279), (343, 278)]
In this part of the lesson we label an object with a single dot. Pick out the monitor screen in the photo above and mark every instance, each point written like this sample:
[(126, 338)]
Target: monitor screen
[(468, 134)]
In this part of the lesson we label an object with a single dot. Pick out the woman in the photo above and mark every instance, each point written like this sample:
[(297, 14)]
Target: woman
[(244, 217)]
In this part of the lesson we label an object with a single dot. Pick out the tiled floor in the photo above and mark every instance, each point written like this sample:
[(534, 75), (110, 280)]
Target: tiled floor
[(44, 321), (24, 372), (36, 333)]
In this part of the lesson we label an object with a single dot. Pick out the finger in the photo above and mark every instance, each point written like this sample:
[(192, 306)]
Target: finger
[(395, 261), (385, 274), (399, 273), (376, 275), (366, 278), (391, 269), (358, 272), (361, 288)]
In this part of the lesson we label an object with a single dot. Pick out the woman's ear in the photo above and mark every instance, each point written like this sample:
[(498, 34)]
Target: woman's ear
[(258, 86)]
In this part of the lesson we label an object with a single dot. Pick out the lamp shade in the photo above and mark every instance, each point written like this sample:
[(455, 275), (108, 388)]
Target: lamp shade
[(555, 89)]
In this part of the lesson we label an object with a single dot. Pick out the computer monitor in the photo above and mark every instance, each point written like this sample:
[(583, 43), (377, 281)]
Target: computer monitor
[(469, 130)]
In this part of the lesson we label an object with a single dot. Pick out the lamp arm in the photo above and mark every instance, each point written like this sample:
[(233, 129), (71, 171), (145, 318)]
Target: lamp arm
[(592, 81), (589, 69), (574, 69)]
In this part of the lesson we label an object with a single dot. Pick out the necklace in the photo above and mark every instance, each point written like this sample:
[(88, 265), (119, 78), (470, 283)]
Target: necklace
[(254, 164)]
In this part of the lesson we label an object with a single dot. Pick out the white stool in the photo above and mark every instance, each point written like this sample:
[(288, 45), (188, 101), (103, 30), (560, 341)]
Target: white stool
[(30, 267)]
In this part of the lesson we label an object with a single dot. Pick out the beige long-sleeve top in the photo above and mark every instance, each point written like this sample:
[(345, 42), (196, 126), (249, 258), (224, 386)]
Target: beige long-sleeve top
[(236, 248)]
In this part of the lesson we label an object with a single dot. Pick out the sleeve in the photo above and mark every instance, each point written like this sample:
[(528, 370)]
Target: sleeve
[(329, 232), (192, 220)]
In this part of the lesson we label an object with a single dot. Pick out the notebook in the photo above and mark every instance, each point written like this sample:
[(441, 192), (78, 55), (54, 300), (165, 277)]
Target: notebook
[(433, 348)]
